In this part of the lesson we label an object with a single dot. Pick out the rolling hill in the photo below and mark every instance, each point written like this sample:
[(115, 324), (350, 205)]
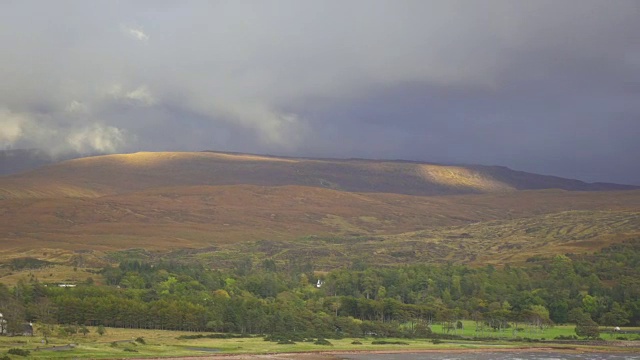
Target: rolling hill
[(219, 207), (125, 173)]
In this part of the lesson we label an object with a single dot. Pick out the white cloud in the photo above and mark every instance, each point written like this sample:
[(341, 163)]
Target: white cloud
[(272, 127), (34, 130), (140, 95), (76, 107), (135, 33), (100, 138), (11, 127)]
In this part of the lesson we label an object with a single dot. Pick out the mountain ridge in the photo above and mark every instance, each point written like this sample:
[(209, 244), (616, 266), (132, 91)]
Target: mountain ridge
[(123, 173)]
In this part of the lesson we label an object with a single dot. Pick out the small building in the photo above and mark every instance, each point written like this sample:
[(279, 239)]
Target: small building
[(27, 329), (3, 325)]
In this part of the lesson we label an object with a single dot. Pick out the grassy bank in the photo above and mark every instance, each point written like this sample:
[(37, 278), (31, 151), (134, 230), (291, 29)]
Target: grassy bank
[(121, 343)]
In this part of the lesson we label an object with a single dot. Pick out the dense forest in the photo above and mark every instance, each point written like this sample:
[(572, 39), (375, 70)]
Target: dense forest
[(361, 299)]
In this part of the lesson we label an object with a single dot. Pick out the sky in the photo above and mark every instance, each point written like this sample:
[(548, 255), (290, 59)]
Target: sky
[(551, 87)]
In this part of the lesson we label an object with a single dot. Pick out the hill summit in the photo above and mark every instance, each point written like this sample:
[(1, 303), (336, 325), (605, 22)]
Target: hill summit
[(125, 173)]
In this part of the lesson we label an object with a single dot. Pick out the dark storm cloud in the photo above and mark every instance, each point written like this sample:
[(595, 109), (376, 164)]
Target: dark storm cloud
[(547, 86)]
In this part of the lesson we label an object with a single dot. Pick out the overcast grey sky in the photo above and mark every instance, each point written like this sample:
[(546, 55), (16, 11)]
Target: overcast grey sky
[(543, 86)]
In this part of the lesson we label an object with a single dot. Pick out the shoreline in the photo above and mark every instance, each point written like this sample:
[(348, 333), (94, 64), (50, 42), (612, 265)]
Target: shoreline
[(335, 354)]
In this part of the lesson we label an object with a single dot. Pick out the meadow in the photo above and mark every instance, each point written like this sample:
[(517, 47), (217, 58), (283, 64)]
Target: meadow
[(523, 332)]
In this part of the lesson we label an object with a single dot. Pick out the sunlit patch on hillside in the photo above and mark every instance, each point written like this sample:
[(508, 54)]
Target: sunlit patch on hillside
[(156, 159), (455, 176), (45, 191), (153, 159), (247, 157)]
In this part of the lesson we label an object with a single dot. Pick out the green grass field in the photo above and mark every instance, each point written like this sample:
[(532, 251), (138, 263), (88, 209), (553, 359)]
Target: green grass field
[(550, 333), (120, 343)]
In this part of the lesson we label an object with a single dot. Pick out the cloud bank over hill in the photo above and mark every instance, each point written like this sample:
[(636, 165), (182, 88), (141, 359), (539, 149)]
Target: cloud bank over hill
[(543, 86)]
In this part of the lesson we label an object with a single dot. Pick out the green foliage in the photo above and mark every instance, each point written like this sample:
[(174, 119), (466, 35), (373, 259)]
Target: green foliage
[(84, 330), (68, 330), (28, 263), (211, 336), (101, 330), (387, 342), (322, 341), (283, 303), (140, 340), (588, 328), (19, 352)]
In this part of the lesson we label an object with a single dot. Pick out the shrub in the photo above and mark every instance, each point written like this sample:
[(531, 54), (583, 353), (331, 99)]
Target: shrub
[(422, 331), (84, 330), (62, 332), (385, 342), (356, 342), (213, 336), (19, 352), (322, 341), (6, 357), (101, 330), (71, 329), (28, 263), (286, 342), (436, 341), (587, 328), (566, 337), (130, 350), (140, 340), (622, 338)]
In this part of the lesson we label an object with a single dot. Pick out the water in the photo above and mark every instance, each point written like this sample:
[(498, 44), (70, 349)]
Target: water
[(492, 356)]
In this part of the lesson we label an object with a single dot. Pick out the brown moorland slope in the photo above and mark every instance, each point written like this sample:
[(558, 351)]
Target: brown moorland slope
[(76, 211), (205, 216), (113, 174)]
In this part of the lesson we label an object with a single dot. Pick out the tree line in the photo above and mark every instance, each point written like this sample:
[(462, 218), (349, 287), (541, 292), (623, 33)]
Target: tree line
[(268, 297)]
